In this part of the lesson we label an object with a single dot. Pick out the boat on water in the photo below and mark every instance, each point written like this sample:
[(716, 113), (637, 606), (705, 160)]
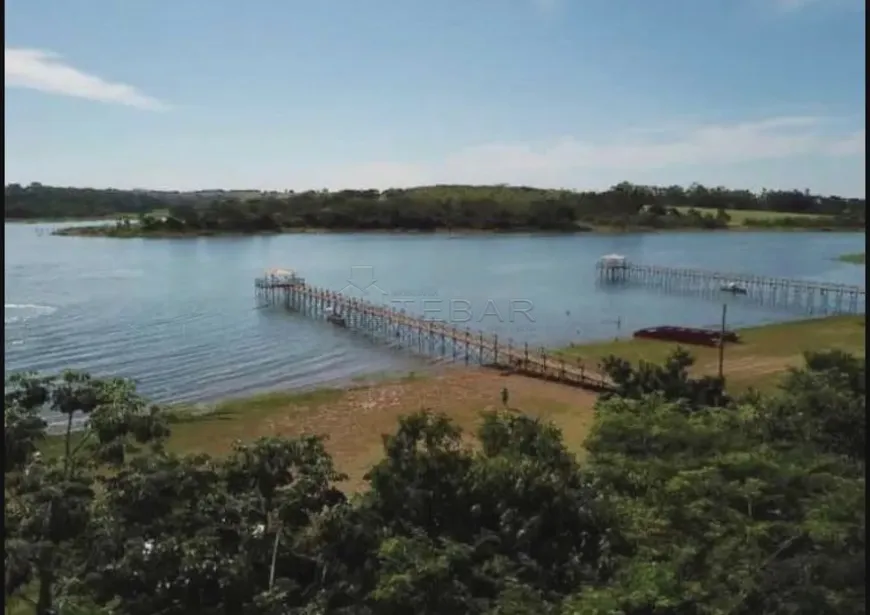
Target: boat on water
[(733, 288), (336, 319)]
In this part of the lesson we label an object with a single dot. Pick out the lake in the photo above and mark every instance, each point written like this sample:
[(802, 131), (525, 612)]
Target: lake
[(179, 315)]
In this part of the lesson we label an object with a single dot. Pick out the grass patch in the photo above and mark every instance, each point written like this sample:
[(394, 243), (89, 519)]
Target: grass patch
[(759, 360), (239, 419), (160, 213), (215, 430), (739, 217), (355, 419), (857, 258), (386, 376)]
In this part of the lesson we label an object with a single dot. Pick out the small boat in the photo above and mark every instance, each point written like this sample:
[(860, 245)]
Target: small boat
[(336, 319), (733, 287)]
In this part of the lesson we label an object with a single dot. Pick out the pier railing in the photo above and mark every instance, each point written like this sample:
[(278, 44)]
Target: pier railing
[(434, 339), (805, 295)]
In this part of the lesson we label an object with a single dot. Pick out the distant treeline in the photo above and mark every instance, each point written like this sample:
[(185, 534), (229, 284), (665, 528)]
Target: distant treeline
[(430, 208)]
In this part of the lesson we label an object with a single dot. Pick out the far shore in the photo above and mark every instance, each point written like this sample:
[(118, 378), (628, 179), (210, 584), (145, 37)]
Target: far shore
[(109, 218), (856, 259), (113, 233)]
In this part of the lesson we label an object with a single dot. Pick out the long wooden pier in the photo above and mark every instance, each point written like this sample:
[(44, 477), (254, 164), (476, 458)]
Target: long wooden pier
[(430, 338), (807, 296)]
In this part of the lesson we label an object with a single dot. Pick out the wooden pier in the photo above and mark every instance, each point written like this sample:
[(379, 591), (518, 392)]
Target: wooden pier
[(801, 295), (429, 338)]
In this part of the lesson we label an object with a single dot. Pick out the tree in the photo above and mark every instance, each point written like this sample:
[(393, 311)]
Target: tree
[(748, 505), (670, 380), (823, 405), (197, 535), (728, 515), (427, 208), (51, 500), (521, 502)]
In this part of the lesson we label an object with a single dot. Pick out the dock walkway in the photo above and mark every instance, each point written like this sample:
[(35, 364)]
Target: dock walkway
[(807, 296), (425, 337)]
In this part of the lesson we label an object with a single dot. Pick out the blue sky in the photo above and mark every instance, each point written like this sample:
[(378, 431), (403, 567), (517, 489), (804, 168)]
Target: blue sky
[(299, 94)]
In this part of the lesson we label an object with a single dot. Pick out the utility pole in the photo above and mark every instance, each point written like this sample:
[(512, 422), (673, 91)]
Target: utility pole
[(618, 323), (722, 342)]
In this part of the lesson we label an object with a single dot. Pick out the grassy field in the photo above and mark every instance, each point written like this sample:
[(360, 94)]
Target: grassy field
[(48, 220), (355, 419), (857, 258), (757, 361), (739, 217)]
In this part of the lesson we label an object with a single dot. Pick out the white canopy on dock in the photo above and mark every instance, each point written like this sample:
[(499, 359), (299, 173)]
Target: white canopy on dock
[(612, 260), (281, 272), (281, 277)]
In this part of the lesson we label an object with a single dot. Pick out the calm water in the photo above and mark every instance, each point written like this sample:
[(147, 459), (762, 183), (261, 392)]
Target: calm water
[(180, 316)]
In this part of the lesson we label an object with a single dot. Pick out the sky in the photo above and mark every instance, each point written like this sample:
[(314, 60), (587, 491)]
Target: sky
[(305, 94)]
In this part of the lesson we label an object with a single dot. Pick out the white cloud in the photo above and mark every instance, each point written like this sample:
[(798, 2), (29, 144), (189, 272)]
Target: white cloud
[(825, 155), (562, 160), (45, 71)]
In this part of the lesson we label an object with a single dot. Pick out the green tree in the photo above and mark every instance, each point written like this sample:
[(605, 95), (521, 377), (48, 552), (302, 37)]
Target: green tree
[(428, 208), (670, 380), (197, 535), (728, 514), (50, 499), (686, 503)]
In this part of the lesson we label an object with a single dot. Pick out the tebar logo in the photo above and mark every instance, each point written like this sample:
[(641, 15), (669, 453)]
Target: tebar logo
[(362, 278), (362, 281)]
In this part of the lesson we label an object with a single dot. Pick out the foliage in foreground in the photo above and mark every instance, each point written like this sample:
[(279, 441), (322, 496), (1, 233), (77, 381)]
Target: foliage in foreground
[(753, 505)]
